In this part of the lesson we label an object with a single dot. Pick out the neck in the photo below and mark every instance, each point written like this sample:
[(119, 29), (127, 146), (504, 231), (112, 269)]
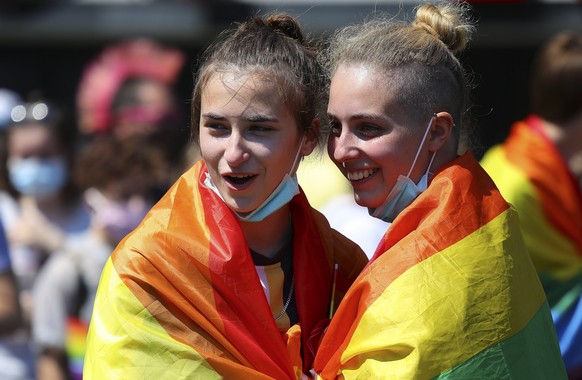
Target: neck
[(268, 236), (446, 156)]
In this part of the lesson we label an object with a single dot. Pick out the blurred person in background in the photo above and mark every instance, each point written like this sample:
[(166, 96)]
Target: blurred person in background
[(538, 169), (39, 204), (15, 356), (120, 179), (128, 90)]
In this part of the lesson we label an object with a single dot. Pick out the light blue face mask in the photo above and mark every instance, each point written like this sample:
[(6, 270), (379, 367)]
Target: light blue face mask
[(405, 190), (287, 189), (39, 178)]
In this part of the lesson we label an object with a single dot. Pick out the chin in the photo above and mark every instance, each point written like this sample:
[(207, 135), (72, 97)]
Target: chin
[(240, 208), (370, 203)]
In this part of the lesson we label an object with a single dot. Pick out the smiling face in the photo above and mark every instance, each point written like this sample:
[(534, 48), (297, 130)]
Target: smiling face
[(248, 138), (373, 141)]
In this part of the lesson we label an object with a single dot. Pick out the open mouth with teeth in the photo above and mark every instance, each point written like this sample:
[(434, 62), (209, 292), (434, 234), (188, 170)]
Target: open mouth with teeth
[(360, 174), (238, 180)]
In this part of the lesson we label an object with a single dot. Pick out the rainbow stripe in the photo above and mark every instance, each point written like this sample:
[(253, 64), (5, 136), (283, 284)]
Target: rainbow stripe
[(180, 297), (533, 177), (75, 346), (450, 293)]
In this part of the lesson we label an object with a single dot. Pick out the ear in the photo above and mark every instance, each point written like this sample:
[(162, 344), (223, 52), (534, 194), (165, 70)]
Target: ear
[(310, 141), (441, 131)]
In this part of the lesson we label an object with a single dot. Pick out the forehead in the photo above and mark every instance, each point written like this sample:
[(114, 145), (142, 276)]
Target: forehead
[(362, 88), (231, 89), (30, 138), (31, 132)]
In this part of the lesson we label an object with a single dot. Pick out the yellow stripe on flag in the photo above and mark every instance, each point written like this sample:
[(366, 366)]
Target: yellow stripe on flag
[(120, 318), (447, 308), (550, 251)]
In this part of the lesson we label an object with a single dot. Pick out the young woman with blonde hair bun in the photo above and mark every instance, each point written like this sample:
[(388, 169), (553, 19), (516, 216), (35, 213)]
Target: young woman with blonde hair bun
[(451, 290)]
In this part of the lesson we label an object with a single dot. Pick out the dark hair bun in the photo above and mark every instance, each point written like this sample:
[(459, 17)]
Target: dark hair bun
[(281, 23)]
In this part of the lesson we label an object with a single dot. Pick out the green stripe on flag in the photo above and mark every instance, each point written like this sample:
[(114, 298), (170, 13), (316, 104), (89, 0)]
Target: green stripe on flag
[(515, 355)]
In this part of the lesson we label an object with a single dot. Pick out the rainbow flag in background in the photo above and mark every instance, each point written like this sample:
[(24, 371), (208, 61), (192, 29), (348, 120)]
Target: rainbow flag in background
[(180, 297), (75, 345), (533, 177), (450, 293)]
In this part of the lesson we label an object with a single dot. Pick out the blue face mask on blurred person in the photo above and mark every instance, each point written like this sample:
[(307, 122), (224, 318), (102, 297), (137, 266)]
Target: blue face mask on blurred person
[(405, 190), (287, 189), (39, 178)]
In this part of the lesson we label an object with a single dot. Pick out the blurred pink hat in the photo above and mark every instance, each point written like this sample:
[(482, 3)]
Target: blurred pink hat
[(102, 78)]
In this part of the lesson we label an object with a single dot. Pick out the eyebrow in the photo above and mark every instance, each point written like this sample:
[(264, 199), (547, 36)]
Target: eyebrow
[(262, 118), (251, 118), (361, 116), (210, 115)]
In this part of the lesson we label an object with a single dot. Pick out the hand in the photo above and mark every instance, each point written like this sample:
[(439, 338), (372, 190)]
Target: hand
[(35, 230)]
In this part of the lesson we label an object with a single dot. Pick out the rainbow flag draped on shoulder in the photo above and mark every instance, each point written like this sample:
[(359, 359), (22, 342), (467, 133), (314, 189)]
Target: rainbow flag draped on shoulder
[(449, 293), (180, 297), (533, 177)]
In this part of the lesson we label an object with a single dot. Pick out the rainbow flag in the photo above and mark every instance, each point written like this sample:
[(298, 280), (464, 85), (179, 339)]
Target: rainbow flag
[(75, 346), (180, 297), (449, 293), (533, 177)]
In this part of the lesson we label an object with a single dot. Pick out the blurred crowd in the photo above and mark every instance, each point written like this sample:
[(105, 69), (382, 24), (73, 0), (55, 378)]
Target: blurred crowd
[(71, 187)]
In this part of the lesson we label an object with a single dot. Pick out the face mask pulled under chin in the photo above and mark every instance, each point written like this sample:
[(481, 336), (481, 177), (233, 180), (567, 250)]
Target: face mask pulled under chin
[(288, 188), (405, 190), (283, 194), (402, 194)]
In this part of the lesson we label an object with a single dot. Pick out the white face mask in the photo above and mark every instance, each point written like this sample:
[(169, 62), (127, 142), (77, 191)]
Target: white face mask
[(288, 188), (405, 190)]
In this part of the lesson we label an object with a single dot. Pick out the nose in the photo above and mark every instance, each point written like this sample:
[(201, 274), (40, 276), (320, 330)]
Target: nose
[(236, 151), (343, 148)]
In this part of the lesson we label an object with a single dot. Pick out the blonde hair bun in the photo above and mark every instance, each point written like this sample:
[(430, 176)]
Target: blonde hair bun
[(446, 21)]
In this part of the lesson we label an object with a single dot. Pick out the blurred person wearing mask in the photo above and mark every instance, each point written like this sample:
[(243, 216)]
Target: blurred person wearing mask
[(538, 169), (128, 90), (120, 178), (39, 204), (15, 353)]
